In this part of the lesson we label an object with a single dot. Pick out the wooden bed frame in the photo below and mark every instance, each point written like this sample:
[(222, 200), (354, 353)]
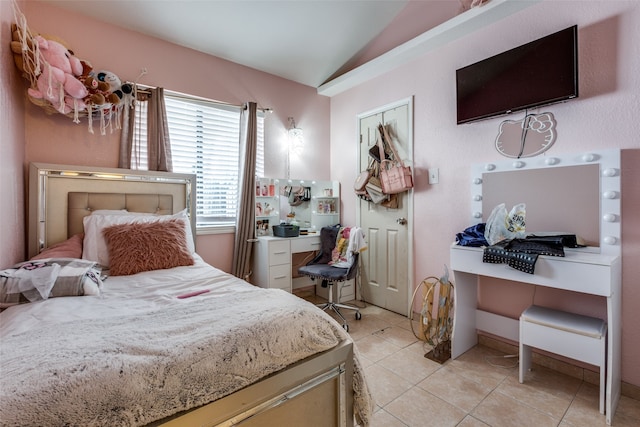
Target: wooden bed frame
[(318, 388)]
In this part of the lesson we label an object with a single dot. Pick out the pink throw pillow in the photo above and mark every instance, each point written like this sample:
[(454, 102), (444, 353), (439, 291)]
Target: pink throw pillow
[(70, 248), (138, 247)]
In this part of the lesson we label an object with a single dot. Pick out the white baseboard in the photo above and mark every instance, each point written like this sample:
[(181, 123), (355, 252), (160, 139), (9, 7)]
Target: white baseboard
[(495, 324)]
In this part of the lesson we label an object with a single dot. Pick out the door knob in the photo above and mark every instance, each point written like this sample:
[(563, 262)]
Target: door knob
[(401, 221)]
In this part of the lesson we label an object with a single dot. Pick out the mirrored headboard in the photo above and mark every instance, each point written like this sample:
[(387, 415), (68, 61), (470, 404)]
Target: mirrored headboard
[(50, 185), (572, 193)]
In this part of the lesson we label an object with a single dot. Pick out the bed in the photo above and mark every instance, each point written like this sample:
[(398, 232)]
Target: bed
[(179, 346)]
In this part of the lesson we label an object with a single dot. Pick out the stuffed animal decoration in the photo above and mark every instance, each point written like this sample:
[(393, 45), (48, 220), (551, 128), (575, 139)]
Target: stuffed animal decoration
[(22, 48), (119, 93), (114, 83), (97, 89), (125, 93), (58, 81)]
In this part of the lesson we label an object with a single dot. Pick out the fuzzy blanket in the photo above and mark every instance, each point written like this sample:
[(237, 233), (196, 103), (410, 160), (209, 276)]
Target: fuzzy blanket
[(135, 369)]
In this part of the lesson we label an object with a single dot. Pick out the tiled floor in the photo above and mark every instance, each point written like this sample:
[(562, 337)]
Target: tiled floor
[(478, 389)]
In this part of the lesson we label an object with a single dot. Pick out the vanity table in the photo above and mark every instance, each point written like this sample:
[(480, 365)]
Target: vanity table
[(579, 272), (593, 270), (272, 260)]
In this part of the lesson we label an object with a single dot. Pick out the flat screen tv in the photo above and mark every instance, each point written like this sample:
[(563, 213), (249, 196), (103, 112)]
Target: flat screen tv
[(540, 72)]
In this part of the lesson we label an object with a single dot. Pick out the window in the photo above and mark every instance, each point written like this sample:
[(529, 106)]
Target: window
[(205, 141)]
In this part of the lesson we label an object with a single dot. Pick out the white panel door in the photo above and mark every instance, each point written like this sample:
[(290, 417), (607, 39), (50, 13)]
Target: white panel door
[(386, 264)]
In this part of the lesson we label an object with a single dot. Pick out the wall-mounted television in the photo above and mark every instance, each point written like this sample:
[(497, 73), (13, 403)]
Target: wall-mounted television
[(540, 72)]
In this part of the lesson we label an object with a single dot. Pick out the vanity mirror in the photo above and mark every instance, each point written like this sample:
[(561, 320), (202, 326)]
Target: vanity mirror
[(309, 204), (574, 193)]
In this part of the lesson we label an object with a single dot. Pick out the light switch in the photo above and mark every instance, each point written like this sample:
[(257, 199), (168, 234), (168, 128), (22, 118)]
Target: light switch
[(434, 175)]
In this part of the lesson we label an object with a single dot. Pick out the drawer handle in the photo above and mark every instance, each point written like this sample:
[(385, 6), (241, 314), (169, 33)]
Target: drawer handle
[(280, 277), (280, 253), (315, 244)]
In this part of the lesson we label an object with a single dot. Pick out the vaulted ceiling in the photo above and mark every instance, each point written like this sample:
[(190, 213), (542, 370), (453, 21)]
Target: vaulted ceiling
[(307, 41)]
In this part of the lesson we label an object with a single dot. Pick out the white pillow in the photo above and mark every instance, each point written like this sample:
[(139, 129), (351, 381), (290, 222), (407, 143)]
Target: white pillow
[(110, 212), (94, 246)]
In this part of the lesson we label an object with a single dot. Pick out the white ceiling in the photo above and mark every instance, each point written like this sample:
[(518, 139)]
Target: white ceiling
[(306, 41)]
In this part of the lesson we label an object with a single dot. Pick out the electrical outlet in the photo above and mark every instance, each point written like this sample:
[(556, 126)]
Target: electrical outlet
[(434, 176)]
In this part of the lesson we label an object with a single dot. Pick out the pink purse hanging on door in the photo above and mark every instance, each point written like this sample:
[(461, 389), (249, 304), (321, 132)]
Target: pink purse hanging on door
[(395, 177)]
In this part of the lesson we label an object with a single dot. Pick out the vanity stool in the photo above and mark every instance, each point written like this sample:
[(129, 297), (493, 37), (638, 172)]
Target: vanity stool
[(571, 335)]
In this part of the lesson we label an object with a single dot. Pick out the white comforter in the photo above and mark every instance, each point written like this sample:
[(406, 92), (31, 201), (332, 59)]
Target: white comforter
[(138, 353)]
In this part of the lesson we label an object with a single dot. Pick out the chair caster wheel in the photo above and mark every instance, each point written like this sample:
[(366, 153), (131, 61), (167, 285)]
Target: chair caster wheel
[(346, 327), (358, 315)]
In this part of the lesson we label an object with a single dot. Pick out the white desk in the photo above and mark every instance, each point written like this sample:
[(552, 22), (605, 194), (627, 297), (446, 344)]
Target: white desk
[(272, 266), (272, 259), (578, 271)]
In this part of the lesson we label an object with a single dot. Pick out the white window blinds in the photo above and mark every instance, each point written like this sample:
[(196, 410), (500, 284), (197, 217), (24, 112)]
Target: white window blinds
[(205, 141)]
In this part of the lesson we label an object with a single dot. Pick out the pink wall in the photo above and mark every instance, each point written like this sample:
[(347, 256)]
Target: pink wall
[(603, 117), (12, 141), (55, 139)]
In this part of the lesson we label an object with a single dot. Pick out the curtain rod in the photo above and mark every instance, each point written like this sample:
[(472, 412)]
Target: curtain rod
[(143, 89)]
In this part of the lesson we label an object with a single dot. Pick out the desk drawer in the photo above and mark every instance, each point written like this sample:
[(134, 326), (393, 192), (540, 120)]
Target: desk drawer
[(347, 292), (280, 277), (279, 252), (305, 244)]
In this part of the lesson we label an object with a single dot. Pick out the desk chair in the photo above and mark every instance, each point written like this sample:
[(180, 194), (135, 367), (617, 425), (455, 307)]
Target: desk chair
[(319, 268)]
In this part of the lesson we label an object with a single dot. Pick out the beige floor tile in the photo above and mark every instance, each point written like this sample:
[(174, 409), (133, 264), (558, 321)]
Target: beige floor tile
[(375, 348), (418, 408), (549, 394), (455, 389), (373, 309), (550, 381), (392, 318), (470, 421), (628, 412), (384, 419), (398, 336), (420, 347), (478, 365), (364, 361), (499, 410), (366, 326), (385, 386), (410, 365), (590, 393), (413, 391), (583, 413)]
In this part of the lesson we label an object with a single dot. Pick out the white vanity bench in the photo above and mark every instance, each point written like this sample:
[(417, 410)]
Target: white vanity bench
[(593, 270)]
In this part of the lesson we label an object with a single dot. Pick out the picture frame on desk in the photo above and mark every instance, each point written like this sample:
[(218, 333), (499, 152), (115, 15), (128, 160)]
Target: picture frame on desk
[(262, 227)]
